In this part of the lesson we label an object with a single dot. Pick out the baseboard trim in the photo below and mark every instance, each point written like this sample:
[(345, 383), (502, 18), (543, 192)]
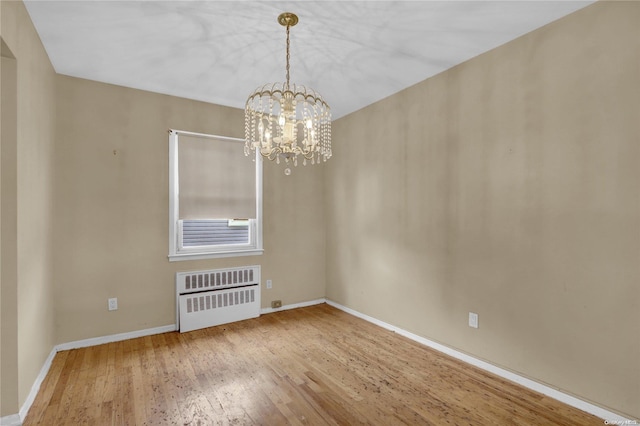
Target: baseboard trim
[(94, 341), (10, 420), (293, 306), (498, 371), (33, 392)]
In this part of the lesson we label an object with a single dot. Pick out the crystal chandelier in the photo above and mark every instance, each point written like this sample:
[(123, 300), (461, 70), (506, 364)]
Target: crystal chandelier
[(284, 121)]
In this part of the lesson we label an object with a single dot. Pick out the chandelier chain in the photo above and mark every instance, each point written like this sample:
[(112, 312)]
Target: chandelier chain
[(288, 55)]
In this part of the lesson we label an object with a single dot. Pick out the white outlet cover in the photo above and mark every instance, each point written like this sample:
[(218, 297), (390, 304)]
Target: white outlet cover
[(473, 320), (113, 304)]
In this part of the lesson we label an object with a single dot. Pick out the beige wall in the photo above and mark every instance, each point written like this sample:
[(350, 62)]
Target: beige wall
[(507, 186), (8, 234), (27, 179), (111, 217)]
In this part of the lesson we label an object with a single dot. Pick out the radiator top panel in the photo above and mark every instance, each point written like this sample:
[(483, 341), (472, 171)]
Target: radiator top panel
[(218, 279)]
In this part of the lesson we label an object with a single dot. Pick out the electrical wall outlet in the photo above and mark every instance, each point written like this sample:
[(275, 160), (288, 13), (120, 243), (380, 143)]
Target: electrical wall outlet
[(269, 283), (276, 304), (473, 320), (113, 304)]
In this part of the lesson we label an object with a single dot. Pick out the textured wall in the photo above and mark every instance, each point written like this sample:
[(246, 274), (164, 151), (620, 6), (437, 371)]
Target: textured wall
[(27, 238), (508, 186), (112, 211)]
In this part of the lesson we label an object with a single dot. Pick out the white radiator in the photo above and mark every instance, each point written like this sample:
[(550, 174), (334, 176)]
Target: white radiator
[(220, 296)]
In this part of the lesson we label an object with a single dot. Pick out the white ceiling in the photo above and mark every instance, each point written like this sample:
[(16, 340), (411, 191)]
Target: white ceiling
[(352, 52)]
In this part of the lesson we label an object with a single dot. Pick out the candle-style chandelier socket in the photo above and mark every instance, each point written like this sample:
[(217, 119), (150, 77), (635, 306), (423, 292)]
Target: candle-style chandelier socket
[(284, 120)]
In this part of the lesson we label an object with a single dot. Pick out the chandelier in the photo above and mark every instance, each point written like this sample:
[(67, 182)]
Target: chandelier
[(284, 120)]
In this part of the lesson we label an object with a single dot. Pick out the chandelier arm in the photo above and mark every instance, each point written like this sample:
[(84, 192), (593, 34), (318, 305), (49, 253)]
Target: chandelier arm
[(308, 154), (272, 154)]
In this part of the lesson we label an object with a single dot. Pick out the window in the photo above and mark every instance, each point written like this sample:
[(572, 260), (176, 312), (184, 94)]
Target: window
[(215, 197)]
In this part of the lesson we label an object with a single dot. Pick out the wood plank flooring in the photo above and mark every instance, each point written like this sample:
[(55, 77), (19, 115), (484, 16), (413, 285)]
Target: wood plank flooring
[(314, 366)]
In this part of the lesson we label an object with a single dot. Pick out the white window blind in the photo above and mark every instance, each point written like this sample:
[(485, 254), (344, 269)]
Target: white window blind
[(215, 197), (216, 179)]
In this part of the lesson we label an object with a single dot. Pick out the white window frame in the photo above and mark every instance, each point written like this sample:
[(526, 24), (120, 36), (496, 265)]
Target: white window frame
[(176, 251)]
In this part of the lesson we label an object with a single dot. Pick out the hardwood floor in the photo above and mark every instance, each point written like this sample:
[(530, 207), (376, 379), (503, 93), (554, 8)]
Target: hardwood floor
[(314, 365)]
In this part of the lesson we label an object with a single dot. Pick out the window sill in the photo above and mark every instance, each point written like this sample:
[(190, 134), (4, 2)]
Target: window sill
[(214, 255)]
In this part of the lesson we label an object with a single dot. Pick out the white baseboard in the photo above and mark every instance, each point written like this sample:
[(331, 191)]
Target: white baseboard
[(501, 372), (114, 338), (11, 420), (293, 306), (36, 385)]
